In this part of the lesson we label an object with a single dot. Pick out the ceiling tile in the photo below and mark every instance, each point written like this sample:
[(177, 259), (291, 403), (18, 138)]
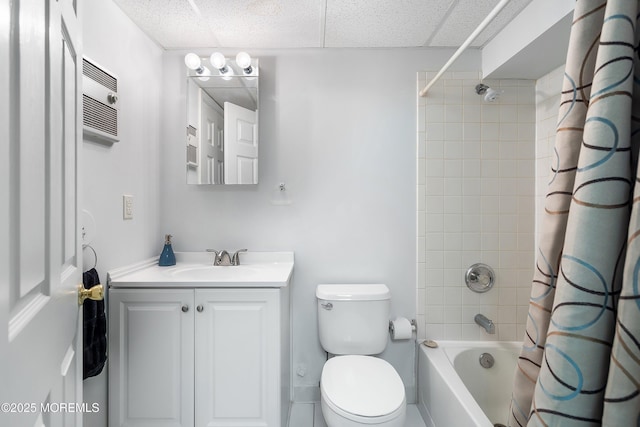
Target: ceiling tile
[(263, 23), (171, 23), (467, 15), (382, 23)]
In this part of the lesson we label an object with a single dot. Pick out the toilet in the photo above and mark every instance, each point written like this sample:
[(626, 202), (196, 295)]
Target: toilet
[(356, 388)]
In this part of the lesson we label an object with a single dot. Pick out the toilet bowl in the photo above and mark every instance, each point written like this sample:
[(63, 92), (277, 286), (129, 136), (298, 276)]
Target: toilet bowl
[(358, 390)]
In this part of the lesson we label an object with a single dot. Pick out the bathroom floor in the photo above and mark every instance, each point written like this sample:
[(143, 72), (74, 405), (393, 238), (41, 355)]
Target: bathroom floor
[(310, 415)]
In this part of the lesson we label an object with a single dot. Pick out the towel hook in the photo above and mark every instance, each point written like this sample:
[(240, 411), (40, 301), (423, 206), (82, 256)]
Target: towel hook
[(95, 255)]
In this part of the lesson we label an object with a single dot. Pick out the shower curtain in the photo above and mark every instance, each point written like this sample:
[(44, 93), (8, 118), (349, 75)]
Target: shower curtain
[(580, 360)]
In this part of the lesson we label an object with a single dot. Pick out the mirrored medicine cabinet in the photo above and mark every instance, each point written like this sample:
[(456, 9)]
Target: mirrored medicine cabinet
[(222, 120)]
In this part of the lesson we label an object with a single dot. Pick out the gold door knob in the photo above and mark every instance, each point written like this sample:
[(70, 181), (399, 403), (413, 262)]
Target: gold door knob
[(95, 293)]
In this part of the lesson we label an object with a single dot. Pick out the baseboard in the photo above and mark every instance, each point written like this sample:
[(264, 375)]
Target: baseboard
[(306, 394)]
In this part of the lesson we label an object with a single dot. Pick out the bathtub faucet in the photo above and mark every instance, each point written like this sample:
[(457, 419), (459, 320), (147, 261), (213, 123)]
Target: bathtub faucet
[(486, 323)]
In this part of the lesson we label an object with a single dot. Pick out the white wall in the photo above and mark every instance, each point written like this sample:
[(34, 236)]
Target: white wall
[(533, 43), (130, 166), (338, 127), (475, 204)]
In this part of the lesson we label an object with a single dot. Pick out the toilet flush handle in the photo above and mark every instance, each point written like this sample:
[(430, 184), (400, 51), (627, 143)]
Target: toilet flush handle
[(327, 305)]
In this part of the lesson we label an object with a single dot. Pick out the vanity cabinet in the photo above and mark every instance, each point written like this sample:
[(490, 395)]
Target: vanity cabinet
[(207, 357)]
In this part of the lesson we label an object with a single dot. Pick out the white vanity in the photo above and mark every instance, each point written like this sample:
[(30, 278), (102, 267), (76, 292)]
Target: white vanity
[(200, 345)]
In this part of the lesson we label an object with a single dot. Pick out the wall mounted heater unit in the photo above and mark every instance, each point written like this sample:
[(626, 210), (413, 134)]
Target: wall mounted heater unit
[(100, 114)]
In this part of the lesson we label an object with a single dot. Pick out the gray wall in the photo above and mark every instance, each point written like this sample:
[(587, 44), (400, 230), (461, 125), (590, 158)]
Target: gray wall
[(130, 166)]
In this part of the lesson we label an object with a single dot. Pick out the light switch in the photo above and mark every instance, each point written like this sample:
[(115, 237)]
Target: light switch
[(127, 207)]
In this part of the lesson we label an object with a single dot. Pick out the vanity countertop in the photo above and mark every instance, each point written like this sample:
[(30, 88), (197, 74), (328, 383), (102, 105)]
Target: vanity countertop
[(196, 270)]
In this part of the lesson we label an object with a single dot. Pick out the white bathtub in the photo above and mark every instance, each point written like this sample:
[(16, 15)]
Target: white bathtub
[(454, 390)]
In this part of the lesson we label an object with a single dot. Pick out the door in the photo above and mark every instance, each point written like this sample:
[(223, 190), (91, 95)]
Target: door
[(237, 358), (211, 156), (151, 358), (41, 255), (240, 145)]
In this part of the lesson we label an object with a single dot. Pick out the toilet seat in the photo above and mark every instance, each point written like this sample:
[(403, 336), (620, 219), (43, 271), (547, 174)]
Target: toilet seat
[(364, 389)]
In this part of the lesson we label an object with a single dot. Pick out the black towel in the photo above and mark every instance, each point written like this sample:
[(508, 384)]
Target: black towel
[(95, 330)]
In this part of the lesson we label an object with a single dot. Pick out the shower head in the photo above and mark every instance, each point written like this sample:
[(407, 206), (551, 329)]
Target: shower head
[(481, 89), (490, 95)]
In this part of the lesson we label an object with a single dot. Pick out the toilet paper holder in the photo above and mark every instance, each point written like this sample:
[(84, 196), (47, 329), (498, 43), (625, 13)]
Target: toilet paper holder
[(414, 326)]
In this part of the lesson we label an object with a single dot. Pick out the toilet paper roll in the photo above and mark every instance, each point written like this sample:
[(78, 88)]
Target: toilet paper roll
[(401, 329)]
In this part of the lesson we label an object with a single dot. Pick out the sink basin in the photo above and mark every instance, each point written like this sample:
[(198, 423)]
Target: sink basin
[(196, 269)]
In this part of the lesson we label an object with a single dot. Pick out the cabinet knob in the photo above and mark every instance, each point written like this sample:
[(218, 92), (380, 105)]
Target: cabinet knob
[(185, 308), (199, 308)]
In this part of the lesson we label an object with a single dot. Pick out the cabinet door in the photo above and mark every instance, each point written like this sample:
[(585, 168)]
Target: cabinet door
[(151, 358), (237, 358)]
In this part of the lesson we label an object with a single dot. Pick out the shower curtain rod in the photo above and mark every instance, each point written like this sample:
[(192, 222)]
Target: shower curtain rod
[(466, 44)]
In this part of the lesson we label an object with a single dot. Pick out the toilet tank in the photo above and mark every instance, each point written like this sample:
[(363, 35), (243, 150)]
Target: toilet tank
[(353, 319)]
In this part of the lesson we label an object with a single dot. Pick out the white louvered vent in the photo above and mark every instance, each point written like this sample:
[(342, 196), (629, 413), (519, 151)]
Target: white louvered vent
[(100, 117)]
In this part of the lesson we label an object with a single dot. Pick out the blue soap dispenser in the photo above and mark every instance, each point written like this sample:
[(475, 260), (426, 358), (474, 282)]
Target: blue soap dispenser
[(167, 257)]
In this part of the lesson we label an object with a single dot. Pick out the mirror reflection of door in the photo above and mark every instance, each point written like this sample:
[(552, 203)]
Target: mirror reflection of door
[(241, 145), (221, 145), (211, 167)]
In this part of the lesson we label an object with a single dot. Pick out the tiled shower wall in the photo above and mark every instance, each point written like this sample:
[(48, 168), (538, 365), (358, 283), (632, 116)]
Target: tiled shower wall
[(548, 89), (476, 203)]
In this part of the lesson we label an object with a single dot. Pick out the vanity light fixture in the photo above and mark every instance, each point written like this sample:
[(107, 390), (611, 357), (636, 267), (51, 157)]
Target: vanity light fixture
[(219, 62)]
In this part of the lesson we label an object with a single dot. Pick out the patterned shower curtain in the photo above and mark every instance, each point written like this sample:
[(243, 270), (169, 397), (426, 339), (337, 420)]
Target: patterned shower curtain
[(580, 360)]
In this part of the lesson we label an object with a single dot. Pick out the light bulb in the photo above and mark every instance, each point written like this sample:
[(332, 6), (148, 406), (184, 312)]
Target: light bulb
[(243, 60), (218, 60), (192, 61)]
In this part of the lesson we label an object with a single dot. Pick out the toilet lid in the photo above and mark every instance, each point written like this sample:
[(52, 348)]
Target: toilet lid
[(362, 385)]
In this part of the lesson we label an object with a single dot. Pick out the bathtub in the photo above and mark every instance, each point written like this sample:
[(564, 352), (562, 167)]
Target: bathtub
[(455, 390)]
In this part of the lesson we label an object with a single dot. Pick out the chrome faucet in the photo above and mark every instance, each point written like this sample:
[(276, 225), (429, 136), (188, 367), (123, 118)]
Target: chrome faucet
[(223, 258), (486, 323), (235, 259)]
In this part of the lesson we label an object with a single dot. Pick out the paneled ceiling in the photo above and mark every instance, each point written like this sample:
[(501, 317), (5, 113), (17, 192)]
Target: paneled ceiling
[(182, 24)]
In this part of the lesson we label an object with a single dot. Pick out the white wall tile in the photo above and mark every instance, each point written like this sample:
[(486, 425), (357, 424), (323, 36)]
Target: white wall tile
[(472, 113), (434, 113), (434, 313), (453, 113), (471, 242), (435, 185), (471, 131), (452, 132), (453, 149), (452, 315), (435, 296), (452, 331), (451, 276), (471, 168), (434, 149)]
